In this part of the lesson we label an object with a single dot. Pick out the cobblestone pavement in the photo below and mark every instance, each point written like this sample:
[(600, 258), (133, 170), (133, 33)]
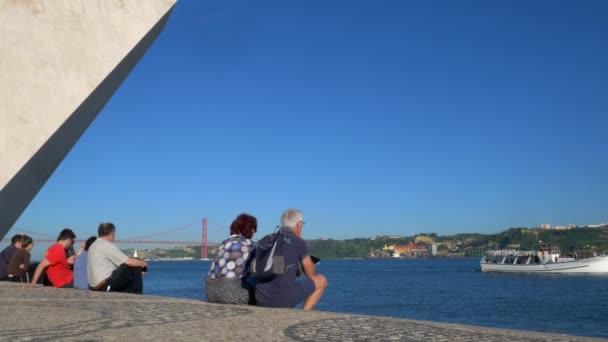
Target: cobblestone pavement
[(380, 329), (47, 314)]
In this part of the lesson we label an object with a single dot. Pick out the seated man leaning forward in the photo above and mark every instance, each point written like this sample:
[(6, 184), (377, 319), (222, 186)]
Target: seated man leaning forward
[(56, 262), (284, 291), (109, 269)]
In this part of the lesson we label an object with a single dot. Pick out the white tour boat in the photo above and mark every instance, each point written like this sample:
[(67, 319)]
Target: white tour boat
[(547, 260)]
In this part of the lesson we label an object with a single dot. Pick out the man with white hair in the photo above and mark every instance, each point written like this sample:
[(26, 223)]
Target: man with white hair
[(285, 291)]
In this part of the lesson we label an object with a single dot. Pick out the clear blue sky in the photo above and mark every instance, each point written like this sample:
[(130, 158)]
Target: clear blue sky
[(373, 117)]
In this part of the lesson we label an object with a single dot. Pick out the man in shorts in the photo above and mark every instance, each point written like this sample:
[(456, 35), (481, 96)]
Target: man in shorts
[(56, 262), (109, 269), (285, 291)]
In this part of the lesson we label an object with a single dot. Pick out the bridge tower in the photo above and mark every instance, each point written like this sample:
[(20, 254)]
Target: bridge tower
[(204, 246)]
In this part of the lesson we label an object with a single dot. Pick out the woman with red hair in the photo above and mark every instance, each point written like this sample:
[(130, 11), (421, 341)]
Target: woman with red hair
[(228, 280)]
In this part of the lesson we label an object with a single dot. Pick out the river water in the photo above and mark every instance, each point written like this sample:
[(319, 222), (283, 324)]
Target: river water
[(446, 290)]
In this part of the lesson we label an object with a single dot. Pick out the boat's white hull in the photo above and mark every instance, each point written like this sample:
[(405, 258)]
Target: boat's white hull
[(590, 265)]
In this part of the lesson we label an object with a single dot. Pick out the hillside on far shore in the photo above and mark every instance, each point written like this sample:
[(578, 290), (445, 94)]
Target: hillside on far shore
[(582, 240)]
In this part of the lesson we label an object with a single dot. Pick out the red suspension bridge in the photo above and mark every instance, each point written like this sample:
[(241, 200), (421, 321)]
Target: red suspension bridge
[(141, 240)]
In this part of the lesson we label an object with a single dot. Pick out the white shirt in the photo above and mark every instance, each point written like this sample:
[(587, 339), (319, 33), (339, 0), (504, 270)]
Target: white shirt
[(104, 257)]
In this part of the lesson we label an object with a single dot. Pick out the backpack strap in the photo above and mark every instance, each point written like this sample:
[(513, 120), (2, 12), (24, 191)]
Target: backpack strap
[(270, 257)]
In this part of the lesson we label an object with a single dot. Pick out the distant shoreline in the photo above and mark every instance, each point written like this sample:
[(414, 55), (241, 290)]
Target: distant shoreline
[(338, 259)]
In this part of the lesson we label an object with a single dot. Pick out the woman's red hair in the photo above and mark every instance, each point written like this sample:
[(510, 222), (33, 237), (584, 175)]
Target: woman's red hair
[(244, 225)]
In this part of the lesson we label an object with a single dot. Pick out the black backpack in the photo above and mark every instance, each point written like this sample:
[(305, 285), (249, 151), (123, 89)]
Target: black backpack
[(269, 260)]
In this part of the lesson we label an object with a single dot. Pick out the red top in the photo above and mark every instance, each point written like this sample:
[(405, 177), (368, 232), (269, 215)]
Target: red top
[(58, 271)]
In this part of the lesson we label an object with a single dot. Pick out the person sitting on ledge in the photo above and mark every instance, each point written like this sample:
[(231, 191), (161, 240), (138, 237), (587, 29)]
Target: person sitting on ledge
[(109, 269), (7, 254), (284, 291), (56, 262), (228, 281), (80, 265), (20, 262)]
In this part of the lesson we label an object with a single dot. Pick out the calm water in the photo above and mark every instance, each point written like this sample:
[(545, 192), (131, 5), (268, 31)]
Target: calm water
[(435, 290)]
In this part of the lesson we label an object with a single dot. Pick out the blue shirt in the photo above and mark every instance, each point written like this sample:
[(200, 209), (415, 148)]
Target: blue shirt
[(80, 271), (5, 258), (282, 289)]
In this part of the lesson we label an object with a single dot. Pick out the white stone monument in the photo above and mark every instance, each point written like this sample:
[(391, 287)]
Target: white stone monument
[(60, 62)]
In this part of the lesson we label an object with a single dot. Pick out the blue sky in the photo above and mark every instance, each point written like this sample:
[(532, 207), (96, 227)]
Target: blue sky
[(391, 117)]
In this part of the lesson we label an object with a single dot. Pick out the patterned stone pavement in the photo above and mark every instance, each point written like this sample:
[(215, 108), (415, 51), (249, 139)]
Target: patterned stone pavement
[(380, 329), (47, 314)]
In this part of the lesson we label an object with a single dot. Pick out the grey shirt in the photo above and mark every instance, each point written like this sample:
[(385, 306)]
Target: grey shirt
[(103, 258)]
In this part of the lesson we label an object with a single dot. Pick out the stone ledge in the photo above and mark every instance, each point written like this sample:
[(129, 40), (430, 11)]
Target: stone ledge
[(72, 315)]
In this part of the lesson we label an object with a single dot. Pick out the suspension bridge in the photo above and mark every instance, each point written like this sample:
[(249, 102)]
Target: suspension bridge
[(148, 239)]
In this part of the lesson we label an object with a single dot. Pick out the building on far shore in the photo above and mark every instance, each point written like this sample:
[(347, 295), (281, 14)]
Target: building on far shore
[(411, 250), (571, 226)]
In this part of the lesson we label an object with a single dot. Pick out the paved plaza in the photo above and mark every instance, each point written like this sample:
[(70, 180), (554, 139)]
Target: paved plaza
[(47, 314)]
